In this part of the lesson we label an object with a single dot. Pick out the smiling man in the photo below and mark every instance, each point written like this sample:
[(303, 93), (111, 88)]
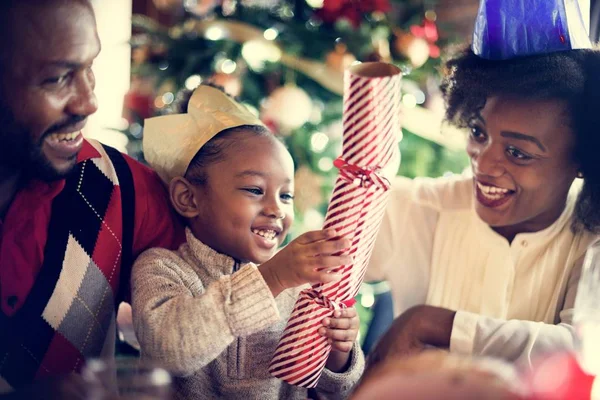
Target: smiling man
[(72, 212)]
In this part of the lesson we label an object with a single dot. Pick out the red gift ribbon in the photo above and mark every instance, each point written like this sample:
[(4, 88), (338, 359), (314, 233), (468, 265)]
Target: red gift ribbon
[(367, 176)]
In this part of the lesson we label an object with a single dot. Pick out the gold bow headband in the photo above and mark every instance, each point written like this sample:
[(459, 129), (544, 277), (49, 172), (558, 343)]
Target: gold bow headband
[(171, 141)]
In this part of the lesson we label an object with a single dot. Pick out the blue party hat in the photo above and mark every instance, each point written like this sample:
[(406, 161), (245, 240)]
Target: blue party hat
[(507, 29)]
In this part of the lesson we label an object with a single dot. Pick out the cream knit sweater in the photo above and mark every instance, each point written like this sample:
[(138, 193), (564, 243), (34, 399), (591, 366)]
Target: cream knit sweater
[(216, 329)]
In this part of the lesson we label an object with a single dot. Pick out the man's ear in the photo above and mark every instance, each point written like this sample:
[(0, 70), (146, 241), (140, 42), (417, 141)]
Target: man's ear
[(184, 197)]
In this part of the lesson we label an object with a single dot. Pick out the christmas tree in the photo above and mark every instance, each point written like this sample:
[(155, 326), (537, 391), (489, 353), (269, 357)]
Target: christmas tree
[(285, 60)]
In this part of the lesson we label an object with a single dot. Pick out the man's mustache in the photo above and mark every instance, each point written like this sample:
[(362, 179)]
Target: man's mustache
[(65, 125)]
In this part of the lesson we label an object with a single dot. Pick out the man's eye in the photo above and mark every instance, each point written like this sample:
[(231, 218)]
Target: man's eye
[(56, 80)]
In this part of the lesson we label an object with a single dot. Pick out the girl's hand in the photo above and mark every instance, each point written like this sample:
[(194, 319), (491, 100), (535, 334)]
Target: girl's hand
[(310, 258), (341, 331)]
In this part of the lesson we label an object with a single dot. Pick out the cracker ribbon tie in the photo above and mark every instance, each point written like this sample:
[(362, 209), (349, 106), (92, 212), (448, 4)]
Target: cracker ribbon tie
[(365, 176)]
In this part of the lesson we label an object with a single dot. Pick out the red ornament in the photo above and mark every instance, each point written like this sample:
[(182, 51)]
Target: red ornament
[(138, 103), (352, 10), (137, 106), (429, 32), (559, 377)]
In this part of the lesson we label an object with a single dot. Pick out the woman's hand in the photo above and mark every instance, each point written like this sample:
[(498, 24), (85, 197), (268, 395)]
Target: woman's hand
[(417, 329)]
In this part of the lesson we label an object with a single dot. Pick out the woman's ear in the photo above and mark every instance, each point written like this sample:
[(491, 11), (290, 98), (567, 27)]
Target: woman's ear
[(184, 197)]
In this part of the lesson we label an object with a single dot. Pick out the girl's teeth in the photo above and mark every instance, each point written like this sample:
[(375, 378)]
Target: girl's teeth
[(266, 234)]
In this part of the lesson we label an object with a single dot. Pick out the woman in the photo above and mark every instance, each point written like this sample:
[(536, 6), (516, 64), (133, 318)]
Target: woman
[(489, 264)]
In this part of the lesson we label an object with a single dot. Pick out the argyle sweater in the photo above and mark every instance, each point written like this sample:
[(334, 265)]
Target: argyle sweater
[(69, 315)]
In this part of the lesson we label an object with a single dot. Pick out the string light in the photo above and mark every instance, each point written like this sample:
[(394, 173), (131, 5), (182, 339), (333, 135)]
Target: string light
[(271, 34), (228, 66), (158, 102), (168, 98), (258, 52), (409, 100), (318, 142), (214, 33), (367, 299), (419, 96), (193, 82), (315, 3), (325, 164)]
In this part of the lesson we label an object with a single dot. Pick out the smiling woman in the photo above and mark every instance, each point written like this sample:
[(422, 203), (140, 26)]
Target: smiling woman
[(544, 106), (488, 264)]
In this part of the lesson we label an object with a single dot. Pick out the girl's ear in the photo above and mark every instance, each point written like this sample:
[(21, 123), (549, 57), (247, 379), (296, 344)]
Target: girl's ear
[(184, 197)]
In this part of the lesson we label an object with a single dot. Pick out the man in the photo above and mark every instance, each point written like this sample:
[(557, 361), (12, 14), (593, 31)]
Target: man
[(72, 212)]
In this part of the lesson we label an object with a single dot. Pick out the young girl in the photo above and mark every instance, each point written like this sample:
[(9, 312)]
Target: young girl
[(207, 312)]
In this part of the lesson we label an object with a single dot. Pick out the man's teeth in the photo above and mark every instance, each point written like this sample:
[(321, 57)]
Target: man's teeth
[(268, 234), (60, 137), (492, 192)]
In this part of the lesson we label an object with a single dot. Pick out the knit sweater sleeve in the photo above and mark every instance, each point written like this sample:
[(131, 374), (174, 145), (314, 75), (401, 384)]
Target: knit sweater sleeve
[(183, 325), (339, 385)]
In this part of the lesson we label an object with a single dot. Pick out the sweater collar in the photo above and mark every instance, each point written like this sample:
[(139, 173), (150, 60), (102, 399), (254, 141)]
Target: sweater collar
[(220, 264)]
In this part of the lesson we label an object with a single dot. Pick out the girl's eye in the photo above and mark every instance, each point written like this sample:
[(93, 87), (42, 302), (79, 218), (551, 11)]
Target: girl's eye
[(255, 191), (287, 197), (477, 134), (517, 154)]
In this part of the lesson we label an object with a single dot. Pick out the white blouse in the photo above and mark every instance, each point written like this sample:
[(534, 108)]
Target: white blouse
[(513, 300)]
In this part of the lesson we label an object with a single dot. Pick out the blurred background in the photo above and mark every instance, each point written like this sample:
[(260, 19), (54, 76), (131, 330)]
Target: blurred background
[(285, 59)]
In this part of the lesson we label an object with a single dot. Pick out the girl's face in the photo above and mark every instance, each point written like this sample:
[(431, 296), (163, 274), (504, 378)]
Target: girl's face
[(246, 206), (522, 159)]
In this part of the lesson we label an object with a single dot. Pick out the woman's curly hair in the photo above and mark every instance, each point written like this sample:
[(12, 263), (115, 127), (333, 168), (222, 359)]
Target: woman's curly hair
[(570, 76)]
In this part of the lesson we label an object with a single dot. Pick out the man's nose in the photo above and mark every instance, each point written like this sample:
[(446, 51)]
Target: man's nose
[(83, 102)]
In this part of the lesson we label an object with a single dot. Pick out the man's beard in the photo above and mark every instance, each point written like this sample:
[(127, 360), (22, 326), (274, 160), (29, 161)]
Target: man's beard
[(20, 154)]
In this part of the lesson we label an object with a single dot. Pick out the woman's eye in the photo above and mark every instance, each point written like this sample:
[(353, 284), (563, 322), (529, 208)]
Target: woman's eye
[(477, 134), (517, 154)]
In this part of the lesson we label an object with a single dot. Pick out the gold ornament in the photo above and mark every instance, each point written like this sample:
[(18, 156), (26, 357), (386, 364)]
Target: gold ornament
[(168, 5), (229, 82), (382, 49), (200, 8), (140, 54), (414, 48), (288, 107), (308, 193), (340, 58)]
